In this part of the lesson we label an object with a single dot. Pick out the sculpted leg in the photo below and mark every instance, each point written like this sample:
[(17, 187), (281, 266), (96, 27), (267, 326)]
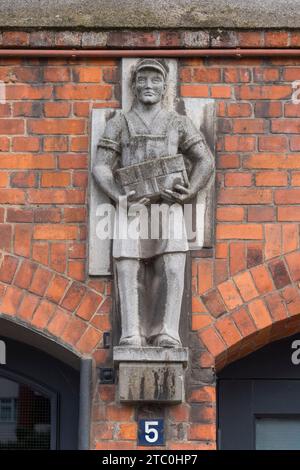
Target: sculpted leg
[(128, 287), (170, 267)]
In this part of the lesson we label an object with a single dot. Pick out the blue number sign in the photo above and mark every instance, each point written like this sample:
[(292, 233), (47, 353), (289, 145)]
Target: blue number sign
[(151, 432)]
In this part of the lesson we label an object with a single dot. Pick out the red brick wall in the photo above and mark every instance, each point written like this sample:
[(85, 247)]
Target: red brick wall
[(247, 295), (244, 296), (44, 129)]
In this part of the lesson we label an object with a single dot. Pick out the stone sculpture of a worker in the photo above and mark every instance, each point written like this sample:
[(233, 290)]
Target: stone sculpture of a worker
[(150, 272)]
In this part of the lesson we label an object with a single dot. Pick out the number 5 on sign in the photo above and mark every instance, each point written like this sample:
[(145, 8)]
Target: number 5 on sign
[(151, 433)]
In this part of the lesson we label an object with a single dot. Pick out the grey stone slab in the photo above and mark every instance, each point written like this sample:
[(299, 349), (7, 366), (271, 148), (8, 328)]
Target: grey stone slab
[(100, 261), (152, 383), (150, 354), (202, 113), (150, 14), (99, 250)]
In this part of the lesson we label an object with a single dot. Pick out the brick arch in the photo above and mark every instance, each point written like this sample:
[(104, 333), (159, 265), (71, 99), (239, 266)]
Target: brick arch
[(236, 335), (244, 297), (15, 329), (257, 304), (233, 336), (72, 313)]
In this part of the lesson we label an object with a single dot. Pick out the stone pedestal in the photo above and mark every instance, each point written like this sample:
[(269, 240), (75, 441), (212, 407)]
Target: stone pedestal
[(149, 374)]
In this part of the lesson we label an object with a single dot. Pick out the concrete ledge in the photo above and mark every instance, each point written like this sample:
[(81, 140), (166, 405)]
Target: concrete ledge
[(150, 354), (135, 14)]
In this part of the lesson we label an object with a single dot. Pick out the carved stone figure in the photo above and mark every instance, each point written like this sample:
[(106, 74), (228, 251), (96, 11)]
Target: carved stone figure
[(149, 156)]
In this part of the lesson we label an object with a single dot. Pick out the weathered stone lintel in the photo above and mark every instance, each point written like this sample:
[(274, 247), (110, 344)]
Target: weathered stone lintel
[(145, 14)]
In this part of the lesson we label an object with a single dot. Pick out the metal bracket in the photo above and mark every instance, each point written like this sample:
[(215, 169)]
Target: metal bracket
[(106, 375), (106, 340)]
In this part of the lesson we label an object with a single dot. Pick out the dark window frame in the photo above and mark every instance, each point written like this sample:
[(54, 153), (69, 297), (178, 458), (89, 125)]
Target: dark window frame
[(264, 384), (51, 394)]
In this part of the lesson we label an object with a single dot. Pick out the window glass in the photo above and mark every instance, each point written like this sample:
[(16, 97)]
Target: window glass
[(277, 433), (25, 417)]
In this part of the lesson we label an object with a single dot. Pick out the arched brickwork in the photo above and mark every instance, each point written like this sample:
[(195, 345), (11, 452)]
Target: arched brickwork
[(257, 298), (244, 298), (72, 313)]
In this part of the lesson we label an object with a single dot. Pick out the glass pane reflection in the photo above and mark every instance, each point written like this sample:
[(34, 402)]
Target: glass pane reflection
[(277, 433), (25, 417)]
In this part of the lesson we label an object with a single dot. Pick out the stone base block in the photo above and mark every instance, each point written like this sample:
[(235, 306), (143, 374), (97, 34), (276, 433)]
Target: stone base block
[(156, 382), (151, 374)]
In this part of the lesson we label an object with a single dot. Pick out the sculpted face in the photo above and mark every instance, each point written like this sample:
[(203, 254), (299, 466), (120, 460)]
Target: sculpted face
[(149, 86)]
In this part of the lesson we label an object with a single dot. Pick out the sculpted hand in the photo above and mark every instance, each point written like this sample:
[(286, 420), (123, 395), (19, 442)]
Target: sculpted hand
[(134, 204), (181, 195)]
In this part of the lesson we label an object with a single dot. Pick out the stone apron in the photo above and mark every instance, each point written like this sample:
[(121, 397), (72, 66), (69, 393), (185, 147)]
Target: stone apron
[(140, 147)]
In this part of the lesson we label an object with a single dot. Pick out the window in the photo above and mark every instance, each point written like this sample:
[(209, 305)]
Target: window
[(258, 400), (7, 410), (277, 433), (25, 416), (39, 400)]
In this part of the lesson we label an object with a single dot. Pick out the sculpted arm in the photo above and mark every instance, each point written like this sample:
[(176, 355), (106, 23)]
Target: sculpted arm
[(107, 155), (201, 158), (202, 166), (103, 173), (108, 151)]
